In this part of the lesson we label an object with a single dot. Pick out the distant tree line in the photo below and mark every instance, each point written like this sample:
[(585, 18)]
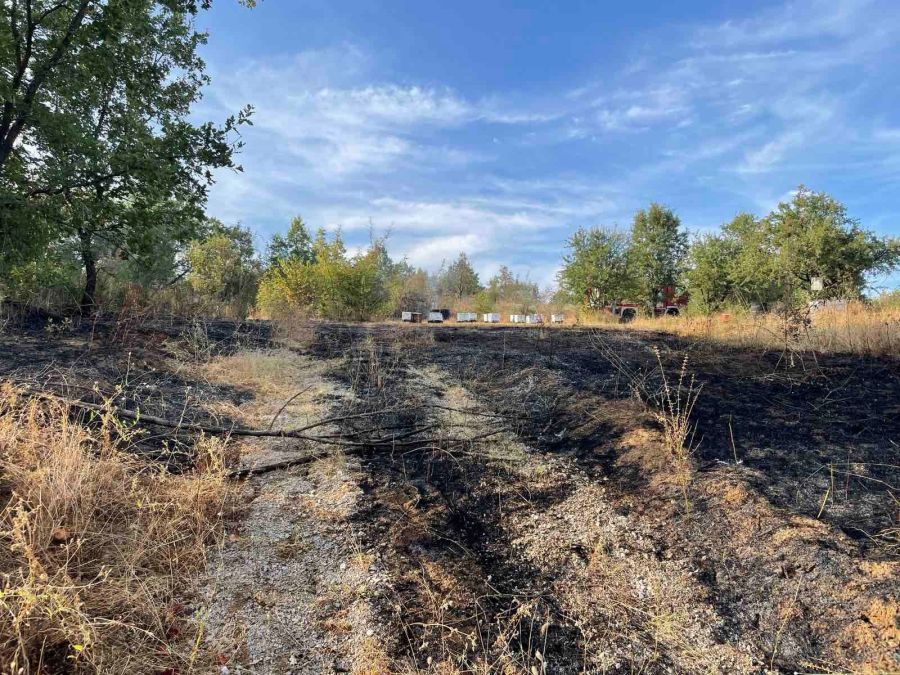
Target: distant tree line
[(315, 276), (765, 262)]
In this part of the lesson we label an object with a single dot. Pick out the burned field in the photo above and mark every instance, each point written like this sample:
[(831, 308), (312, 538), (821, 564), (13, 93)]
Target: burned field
[(511, 500)]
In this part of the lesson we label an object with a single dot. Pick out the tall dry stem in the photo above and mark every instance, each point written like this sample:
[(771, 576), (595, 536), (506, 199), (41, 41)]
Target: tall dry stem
[(673, 406)]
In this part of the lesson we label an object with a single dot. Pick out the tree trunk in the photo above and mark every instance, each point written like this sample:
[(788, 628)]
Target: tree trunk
[(88, 303)]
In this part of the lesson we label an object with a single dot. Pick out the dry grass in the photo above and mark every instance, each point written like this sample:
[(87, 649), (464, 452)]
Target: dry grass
[(266, 372), (97, 546), (285, 385), (872, 330), (673, 407)]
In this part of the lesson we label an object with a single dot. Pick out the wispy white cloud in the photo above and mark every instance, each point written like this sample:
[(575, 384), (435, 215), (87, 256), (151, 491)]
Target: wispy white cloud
[(321, 107), (742, 110), (796, 20), (666, 103)]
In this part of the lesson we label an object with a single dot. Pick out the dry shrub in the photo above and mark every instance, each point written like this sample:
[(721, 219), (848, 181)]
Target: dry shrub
[(97, 546), (669, 400), (673, 406)]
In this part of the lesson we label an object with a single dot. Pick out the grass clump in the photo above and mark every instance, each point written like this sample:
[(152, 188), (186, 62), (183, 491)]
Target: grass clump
[(97, 547), (674, 404)]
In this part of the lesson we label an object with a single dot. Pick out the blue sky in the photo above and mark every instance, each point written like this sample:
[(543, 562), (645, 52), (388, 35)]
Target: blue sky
[(497, 128)]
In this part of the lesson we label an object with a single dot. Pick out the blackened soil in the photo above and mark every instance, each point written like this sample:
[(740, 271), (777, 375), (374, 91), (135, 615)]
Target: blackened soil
[(802, 425), (134, 365)]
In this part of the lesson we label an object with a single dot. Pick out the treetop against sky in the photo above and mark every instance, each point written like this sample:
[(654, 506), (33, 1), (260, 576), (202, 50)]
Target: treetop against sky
[(499, 128)]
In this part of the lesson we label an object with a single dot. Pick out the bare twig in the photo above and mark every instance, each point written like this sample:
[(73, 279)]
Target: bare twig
[(287, 403)]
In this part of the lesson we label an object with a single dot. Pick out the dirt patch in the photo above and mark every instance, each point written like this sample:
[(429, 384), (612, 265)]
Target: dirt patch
[(290, 590)]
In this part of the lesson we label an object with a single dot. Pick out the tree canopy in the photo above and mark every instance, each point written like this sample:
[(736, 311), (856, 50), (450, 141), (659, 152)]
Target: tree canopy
[(597, 270), (657, 252), (459, 279), (96, 140), (773, 260), (223, 266)]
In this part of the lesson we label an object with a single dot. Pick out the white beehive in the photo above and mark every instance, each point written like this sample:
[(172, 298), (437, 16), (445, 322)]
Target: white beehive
[(517, 318), (466, 317), (557, 318), (534, 318), (435, 317), (491, 317)]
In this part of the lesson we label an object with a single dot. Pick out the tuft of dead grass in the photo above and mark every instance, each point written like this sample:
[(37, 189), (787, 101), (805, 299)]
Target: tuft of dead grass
[(97, 546), (285, 385), (675, 403)]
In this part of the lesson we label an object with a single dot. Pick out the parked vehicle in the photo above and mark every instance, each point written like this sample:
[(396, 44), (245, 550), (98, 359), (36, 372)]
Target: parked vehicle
[(435, 317), (667, 304)]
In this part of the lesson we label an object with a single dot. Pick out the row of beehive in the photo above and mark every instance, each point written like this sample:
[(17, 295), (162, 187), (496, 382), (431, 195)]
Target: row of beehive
[(490, 317)]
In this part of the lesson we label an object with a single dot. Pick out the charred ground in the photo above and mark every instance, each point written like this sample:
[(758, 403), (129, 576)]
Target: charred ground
[(525, 518)]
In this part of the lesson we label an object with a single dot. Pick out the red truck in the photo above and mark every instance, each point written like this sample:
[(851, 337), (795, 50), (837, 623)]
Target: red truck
[(668, 303)]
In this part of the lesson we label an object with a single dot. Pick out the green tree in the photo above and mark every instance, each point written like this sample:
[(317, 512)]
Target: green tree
[(753, 273), (288, 288), (812, 236), (657, 252), (331, 285), (96, 142), (364, 288), (709, 273), (777, 257), (596, 269), (224, 268), (296, 245), (459, 280)]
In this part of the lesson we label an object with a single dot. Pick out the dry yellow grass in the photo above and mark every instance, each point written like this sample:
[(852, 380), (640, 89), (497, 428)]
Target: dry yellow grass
[(267, 373), (857, 329), (97, 547), (283, 383)]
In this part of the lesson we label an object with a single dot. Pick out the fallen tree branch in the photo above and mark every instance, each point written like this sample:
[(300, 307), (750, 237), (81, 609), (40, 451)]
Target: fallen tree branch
[(286, 403), (140, 418), (249, 471), (424, 444), (394, 441)]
